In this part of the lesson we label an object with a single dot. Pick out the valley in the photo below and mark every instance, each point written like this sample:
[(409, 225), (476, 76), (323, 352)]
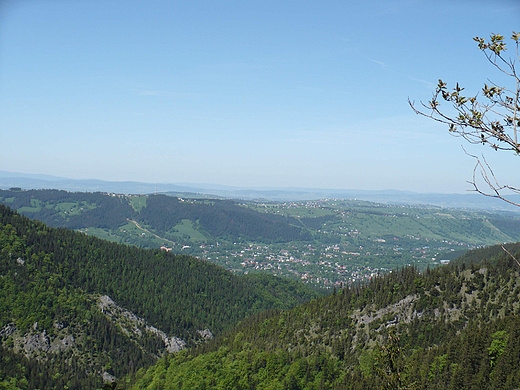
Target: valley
[(418, 299), (327, 243)]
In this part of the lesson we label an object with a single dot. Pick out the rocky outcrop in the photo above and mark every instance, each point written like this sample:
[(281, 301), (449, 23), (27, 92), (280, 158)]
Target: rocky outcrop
[(205, 334), (134, 326), (36, 342), (7, 330)]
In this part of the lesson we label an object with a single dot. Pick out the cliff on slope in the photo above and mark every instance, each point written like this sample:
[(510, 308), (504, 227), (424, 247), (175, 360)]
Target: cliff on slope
[(76, 310), (449, 328)]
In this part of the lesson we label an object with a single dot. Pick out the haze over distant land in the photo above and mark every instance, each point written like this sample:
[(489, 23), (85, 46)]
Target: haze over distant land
[(251, 95), (468, 200)]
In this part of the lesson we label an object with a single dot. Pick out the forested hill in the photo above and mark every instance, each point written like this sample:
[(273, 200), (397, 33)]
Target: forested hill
[(221, 218), (455, 327), (71, 210), (218, 219), (71, 303)]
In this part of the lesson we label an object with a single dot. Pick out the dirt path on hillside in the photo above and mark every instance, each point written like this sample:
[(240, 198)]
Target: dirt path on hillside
[(149, 232)]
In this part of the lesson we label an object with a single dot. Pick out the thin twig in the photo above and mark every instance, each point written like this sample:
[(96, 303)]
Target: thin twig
[(491, 181), (509, 253)]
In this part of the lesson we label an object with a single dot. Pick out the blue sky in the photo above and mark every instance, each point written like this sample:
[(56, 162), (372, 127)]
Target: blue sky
[(242, 93)]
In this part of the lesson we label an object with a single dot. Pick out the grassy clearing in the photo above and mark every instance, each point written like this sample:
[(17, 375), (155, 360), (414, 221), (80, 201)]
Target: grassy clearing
[(104, 234), (303, 212), (141, 236), (186, 229), (130, 227), (33, 208), (28, 209), (67, 206), (73, 208), (138, 202)]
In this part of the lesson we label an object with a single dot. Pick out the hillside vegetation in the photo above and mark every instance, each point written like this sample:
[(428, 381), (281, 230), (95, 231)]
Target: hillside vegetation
[(74, 308), (455, 327), (77, 311), (216, 218), (326, 242)]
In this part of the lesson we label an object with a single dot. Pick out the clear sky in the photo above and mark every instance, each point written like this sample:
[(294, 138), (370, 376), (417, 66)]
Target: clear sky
[(243, 93)]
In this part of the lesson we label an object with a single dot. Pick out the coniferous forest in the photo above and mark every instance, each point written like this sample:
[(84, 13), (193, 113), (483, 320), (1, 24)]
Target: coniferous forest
[(52, 280), (455, 327), (217, 218), (256, 195), (324, 243), (80, 312)]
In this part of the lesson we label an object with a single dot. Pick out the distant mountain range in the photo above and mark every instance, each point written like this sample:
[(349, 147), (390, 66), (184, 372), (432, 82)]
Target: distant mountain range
[(469, 200)]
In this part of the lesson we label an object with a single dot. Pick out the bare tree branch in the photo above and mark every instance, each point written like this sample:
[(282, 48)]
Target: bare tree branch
[(509, 253), (490, 117), (488, 176)]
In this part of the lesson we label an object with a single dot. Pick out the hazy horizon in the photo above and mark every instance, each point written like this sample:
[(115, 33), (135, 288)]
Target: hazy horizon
[(201, 185), (257, 95)]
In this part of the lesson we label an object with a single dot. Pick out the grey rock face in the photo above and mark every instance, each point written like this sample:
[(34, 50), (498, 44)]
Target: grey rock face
[(36, 342)]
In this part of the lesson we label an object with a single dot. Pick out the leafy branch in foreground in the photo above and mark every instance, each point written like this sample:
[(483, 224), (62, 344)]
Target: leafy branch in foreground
[(490, 117)]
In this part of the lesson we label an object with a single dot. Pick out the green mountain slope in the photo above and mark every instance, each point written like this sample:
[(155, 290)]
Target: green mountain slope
[(216, 219), (220, 219), (455, 327), (72, 210), (74, 307), (326, 242)]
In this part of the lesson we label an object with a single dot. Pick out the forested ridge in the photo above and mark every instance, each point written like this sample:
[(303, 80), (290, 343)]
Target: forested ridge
[(95, 208), (50, 283), (454, 327), (223, 219)]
